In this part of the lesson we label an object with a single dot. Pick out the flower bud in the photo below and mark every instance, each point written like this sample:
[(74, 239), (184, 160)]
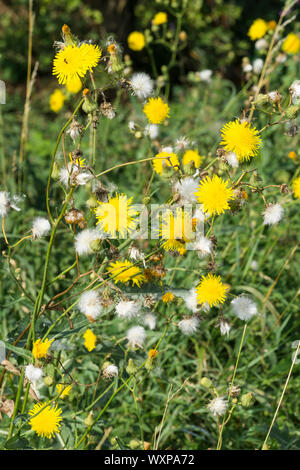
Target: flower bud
[(206, 382), (292, 111), (48, 381), (131, 367), (89, 419), (247, 400)]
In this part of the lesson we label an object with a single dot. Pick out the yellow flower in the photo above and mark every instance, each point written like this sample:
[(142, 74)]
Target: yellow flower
[(73, 62), (156, 110), (136, 41), (89, 340), (241, 138), (258, 29), (296, 187), (214, 194), (291, 44), (116, 215), (160, 18), (168, 297), (176, 230), (74, 85), (65, 390), (164, 159), (211, 290), (271, 25), (192, 156), (292, 155), (152, 353), (40, 348), (125, 271), (46, 422), (56, 100)]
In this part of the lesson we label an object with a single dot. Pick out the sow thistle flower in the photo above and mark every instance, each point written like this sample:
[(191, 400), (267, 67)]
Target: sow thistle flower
[(163, 160), (47, 422), (156, 110), (89, 340), (125, 271), (40, 348), (176, 229), (296, 187), (160, 18), (211, 290), (56, 101), (74, 85), (214, 194), (136, 41), (192, 156), (241, 138), (291, 44), (62, 390), (258, 29), (116, 215), (73, 62)]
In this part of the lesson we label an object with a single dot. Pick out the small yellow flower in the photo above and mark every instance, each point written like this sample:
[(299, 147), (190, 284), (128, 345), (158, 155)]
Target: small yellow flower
[(241, 138), (292, 154), (214, 194), (136, 41), (168, 297), (156, 110), (89, 340), (211, 290), (291, 44), (125, 271), (62, 390), (116, 215), (74, 85), (176, 230), (160, 18), (296, 187), (46, 422), (56, 100), (73, 62), (258, 29), (192, 156), (152, 353), (271, 25), (165, 159), (40, 348)]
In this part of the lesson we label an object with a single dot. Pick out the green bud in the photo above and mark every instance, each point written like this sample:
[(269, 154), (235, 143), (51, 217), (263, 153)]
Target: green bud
[(262, 99), (89, 419), (247, 400), (48, 381), (92, 202), (179, 301), (95, 245), (131, 367), (149, 364), (146, 200), (292, 112), (206, 382), (189, 168), (134, 444), (88, 105), (55, 172)]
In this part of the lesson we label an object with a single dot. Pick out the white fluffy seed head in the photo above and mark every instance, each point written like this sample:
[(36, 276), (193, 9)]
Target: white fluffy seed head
[(110, 371), (142, 85), (186, 188), (258, 66), (273, 214), (205, 75), (90, 304), (33, 374), (127, 309), (83, 241), (295, 91), (4, 203), (151, 130), (225, 327), (40, 227), (243, 307), (181, 144), (136, 337), (218, 406), (188, 326), (203, 246), (261, 44), (191, 301), (231, 159), (150, 320)]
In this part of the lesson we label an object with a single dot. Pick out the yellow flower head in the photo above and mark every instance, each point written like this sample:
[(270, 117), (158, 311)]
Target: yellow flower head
[(136, 41), (258, 29), (296, 187), (176, 230), (214, 194), (116, 215), (291, 44), (89, 340), (156, 110), (62, 390), (271, 25), (73, 62), (152, 353), (211, 290), (74, 85), (46, 423), (168, 297), (165, 159), (160, 18), (40, 348), (292, 155), (56, 100), (125, 271), (241, 138), (192, 156)]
